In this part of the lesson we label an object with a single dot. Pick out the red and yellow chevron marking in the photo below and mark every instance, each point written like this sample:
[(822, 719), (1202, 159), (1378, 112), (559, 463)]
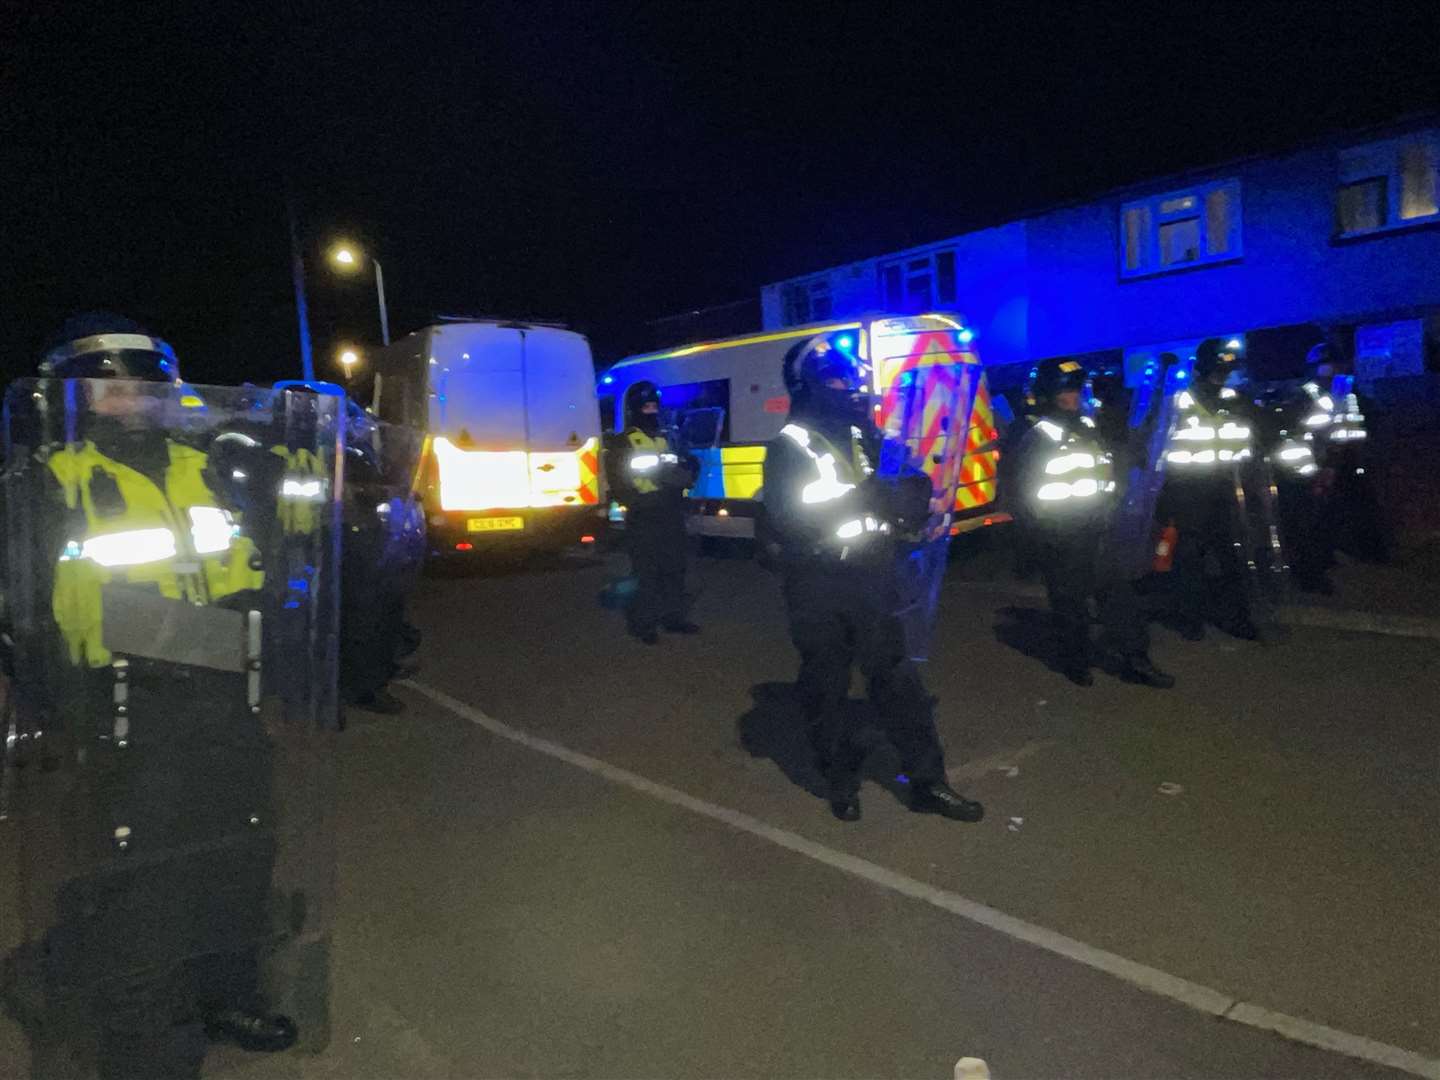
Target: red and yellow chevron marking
[(951, 380), (590, 472), (977, 478)]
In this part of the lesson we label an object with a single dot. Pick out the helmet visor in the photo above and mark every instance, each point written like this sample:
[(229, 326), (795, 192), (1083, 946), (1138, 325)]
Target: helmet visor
[(116, 364)]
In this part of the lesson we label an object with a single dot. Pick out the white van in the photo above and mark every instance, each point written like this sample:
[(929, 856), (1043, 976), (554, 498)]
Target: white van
[(511, 429)]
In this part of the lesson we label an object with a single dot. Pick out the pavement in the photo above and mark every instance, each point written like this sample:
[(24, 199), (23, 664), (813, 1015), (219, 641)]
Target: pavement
[(576, 856)]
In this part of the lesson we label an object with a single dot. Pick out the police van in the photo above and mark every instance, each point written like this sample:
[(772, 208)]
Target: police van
[(724, 400), (510, 456)]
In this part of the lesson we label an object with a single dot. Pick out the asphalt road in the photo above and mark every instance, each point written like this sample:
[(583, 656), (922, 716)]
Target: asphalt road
[(650, 889)]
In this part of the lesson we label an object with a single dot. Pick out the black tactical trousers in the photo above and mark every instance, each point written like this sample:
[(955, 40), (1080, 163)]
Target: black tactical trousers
[(657, 541), (1223, 599), (838, 620), (1308, 546), (1068, 563)]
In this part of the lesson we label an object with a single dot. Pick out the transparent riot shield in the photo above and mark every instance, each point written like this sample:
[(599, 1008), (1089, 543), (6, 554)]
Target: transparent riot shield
[(385, 541), (172, 560), (1130, 545), (930, 383)]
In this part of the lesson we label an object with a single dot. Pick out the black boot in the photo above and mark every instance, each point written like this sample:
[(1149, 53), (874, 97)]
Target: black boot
[(845, 807), (938, 797), (380, 701), (1139, 669), (257, 1032), (844, 796), (1079, 674)]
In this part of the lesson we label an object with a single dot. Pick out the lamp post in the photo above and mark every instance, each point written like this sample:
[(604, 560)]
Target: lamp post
[(302, 311), (348, 258)]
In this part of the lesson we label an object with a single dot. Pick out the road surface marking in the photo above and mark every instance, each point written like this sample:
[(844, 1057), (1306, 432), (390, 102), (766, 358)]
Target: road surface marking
[(1161, 983), (973, 770)]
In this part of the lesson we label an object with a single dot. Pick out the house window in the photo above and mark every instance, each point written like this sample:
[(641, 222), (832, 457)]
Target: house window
[(806, 301), (1180, 229), (919, 283), (1180, 241), (1387, 185), (1362, 205)]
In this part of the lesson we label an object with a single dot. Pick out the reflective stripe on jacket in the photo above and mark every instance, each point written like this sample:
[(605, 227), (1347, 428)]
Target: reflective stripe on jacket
[(1206, 439), (1066, 471)]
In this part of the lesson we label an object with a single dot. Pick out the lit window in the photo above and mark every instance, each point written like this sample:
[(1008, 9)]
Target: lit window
[(1387, 185), (1182, 228), (1417, 183)]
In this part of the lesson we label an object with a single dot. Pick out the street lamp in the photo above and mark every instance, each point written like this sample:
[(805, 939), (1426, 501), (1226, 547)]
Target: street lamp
[(348, 359), (348, 258)]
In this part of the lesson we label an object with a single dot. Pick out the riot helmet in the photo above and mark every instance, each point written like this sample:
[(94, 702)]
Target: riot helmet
[(1108, 387), (1323, 362), (1058, 382), (642, 407), (824, 381), (1215, 360), (100, 345)]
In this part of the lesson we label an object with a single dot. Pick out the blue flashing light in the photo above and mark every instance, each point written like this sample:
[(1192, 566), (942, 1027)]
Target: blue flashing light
[(845, 342), (1182, 375), (966, 336), (608, 379)]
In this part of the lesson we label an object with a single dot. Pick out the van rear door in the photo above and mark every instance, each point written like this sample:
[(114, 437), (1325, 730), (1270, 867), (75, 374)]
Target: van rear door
[(563, 418)]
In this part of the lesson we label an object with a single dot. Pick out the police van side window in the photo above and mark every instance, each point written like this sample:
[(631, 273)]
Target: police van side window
[(698, 407)]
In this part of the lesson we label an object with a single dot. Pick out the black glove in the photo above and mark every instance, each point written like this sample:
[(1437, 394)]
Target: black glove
[(904, 499)]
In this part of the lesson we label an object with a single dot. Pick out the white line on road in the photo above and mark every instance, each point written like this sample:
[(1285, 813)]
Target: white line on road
[(1202, 998)]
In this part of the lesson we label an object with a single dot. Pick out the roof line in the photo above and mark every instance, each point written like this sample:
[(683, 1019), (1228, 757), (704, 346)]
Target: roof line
[(1405, 122)]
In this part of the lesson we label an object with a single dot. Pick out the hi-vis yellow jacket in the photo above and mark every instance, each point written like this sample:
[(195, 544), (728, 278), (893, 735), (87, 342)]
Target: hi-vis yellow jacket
[(172, 537)]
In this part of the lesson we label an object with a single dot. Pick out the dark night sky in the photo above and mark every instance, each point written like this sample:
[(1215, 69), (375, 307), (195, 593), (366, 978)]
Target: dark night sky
[(606, 164)]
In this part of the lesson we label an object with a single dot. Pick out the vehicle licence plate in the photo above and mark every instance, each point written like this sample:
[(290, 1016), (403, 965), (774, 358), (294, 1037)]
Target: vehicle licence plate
[(495, 524)]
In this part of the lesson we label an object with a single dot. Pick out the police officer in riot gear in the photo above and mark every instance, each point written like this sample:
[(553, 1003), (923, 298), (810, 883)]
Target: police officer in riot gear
[(650, 476), (1349, 514), (1284, 423), (384, 550), (1065, 499), (1211, 440), (833, 527), (167, 945)]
